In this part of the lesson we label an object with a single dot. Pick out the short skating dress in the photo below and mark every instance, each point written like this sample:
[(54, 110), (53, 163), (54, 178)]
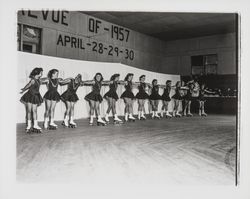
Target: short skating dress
[(155, 93), (142, 92), (95, 93), (112, 91), (128, 92), (201, 96), (165, 95), (177, 95), (70, 94), (33, 95), (52, 93)]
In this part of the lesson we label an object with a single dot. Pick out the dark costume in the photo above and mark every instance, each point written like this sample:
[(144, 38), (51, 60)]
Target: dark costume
[(70, 94), (128, 92), (112, 91), (33, 95), (142, 93), (95, 93), (52, 93), (155, 93), (166, 93)]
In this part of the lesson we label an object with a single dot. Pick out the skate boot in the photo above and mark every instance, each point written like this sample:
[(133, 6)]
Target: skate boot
[(157, 116), (143, 116), (45, 124), (139, 115), (107, 118), (65, 122), (28, 128), (131, 118), (162, 113), (190, 114), (52, 125), (200, 112), (178, 114), (153, 115), (101, 122), (72, 124), (117, 120), (91, 120), (174, 114), (203, 114), (36, 128), (126, 117), (168, 115)]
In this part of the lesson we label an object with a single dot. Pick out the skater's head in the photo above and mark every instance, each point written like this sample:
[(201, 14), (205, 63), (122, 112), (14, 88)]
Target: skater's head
[(142, 78), (36, 73), (154, 82), (98, 77), (129, 77), (178, 84), (52, 74), (168, 83), (115, 77), (78, 78)]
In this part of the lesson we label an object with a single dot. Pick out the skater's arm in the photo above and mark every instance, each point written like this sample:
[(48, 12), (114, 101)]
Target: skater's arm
[(44, 80), (107, 82), (161, 86), (88, 82), (209, 92), (64, 81), (121, 82), (136, 83), (27, 86)]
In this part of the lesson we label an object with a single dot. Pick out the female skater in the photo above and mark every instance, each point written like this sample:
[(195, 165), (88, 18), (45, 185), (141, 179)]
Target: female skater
[(166, 99), (128, 97), (94, 97), (188, 99), (69, 97), (111, 97), (32, 99), (52, 97), (154, 99), (177, 97), (202, 100), (142, 96)]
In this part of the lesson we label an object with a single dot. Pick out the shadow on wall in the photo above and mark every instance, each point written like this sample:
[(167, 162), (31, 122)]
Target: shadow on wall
[(70, 68)]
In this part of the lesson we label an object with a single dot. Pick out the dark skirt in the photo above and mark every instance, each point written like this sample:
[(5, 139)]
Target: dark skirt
[(33, 98), (155, 97), (165, 98), (142, 95), (177, 97), (201, 98), (128, 94), (69, 96), (188, 97), (52, 95), (111, 94), (93, 96)]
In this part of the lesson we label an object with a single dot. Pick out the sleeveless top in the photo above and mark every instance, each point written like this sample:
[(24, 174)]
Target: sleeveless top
[(72, 87), (129, 86), (34, 88), (142, 87), (53, 84), (96, 88)]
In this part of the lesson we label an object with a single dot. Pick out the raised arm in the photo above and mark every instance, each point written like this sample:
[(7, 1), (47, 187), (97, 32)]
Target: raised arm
[(87, 82), (122, 82), (44, 80), (107, 82), (209, 92), (64, 81), (27, 86)]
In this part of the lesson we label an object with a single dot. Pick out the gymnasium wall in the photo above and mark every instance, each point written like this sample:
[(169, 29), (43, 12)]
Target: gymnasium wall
[(70, 68), (179, 52), (120, 44)]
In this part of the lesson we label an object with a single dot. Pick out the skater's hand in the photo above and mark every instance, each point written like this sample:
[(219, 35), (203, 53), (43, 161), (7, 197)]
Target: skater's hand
[(21, 92)]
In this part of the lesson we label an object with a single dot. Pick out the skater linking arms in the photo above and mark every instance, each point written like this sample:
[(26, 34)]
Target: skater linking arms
[(32, 99), (128, 97), (202, 100), (154, 98), (94, 98), (166, 99), (51, 97), (111, 97), (69, 97), (142, 96)]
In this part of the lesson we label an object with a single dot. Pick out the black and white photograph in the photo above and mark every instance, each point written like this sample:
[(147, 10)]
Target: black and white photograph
[(146, 99)]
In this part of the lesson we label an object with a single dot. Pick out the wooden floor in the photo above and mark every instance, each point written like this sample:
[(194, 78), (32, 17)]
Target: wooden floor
[(173, 151)]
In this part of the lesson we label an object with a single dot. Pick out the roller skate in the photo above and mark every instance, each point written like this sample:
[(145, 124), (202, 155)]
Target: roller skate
[(153, 115), (117, 120), (200, 113), (52, 125), (100, 122), (28, 128), (203, 114), (157, 116), (91, 120), (189, 114), (162, 114), (107, 118), (65, 122), (36, 128), (139, 115), (178, 114), (131, 118), (45, 124), (168, 115), (143, 117), (126, 117)]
